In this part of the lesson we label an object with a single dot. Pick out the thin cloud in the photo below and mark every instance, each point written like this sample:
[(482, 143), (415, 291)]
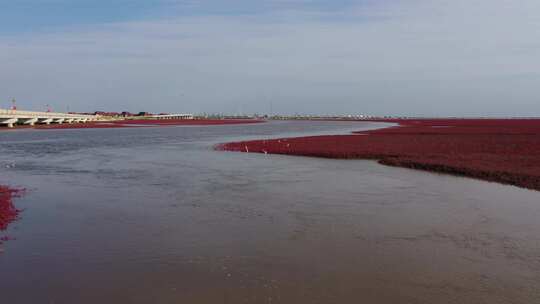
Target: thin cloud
[(396, 57)]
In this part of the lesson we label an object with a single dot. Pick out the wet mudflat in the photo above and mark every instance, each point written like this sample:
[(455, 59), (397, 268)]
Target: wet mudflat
[(155, 215)]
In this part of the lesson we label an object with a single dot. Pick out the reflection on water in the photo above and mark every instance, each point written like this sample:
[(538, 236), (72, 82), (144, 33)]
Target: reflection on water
[(154, 215)]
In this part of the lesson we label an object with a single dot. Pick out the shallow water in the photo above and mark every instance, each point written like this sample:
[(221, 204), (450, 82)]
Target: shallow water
[(154, 215)]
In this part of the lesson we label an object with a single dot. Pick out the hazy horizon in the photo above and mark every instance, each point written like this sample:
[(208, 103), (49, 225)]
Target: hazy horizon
[(390, 57)]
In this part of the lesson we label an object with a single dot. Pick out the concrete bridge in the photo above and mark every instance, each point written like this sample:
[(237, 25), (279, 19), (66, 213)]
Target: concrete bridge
[(10, 118)]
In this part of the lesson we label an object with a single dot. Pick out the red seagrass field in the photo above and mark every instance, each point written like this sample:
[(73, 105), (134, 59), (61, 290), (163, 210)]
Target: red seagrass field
[(499, 150)]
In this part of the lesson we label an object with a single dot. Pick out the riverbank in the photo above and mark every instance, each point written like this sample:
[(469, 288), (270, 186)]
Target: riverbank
[(8, 212), (499, 150), (139, 123)]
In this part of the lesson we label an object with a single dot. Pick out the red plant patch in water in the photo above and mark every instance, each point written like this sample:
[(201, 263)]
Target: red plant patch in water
[(499, 150), (8, 211)]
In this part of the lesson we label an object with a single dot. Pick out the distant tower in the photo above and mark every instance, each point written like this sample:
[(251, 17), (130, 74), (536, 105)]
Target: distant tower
[(48, 108), (13, 104)]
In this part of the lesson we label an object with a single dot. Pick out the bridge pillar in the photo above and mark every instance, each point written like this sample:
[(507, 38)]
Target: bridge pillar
[(47, 121), (10, 123), (30, 121)]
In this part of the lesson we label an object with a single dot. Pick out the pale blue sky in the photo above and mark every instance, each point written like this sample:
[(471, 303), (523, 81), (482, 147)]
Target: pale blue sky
[(397, 57), (39, 15)]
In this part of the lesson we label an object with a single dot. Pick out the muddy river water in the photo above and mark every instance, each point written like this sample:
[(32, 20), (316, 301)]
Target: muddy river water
[(155, 215)]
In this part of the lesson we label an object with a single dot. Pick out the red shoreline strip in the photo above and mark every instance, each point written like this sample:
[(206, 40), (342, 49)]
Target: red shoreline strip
[(188, 122), (146, 123), (499, 150), (139, 123)]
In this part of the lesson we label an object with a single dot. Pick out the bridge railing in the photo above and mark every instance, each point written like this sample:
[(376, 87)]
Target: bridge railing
[(30, 114)]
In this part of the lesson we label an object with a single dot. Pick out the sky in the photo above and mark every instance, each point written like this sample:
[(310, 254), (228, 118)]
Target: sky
[(374, 57)]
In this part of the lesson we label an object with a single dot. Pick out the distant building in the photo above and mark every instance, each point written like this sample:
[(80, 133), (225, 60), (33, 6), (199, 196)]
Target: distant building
[(110, 114)]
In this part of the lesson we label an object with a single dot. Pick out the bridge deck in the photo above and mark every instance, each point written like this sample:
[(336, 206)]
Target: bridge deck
[(14, 117)]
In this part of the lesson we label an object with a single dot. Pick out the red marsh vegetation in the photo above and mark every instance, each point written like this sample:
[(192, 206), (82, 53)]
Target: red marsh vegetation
[(8, 211), (188, 122), (499, 150), (148, 123), (89, 125)]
